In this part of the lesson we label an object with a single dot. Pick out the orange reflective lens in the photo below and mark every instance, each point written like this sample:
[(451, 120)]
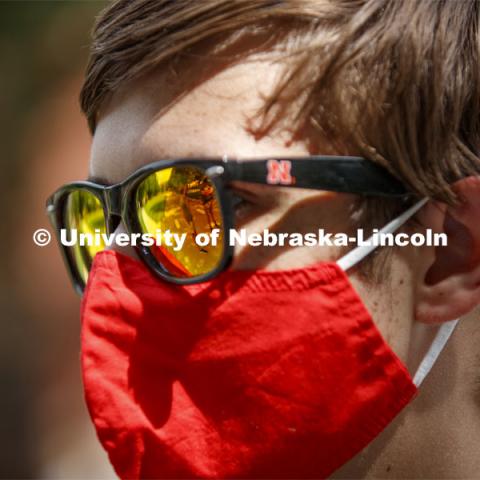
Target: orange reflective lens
[(84, 213), (181, 200)]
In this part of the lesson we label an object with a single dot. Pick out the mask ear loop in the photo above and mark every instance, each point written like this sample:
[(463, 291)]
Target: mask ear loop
[(356, 255), (443, 335), (445, 331)]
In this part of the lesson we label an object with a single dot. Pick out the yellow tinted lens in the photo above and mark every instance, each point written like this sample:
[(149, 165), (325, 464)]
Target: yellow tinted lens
[(183, 201), (84, 213)]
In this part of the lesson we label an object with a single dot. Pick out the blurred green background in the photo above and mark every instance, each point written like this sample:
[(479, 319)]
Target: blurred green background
[(45, 429)]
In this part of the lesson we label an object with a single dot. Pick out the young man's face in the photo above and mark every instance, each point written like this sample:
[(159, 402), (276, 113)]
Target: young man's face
[(158, 118), (161, 117)]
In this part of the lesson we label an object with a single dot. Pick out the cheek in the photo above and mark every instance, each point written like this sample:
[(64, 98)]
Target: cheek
[(391, 306), (279, 256), (271, 258), (295, 212)]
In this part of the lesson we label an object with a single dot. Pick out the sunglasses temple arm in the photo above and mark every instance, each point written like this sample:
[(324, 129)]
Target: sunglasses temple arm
[(337, 174)]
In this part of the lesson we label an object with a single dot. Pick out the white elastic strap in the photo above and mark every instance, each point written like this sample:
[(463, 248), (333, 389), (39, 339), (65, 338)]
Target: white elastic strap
[(438, 344), (445, 331), (359, 253)]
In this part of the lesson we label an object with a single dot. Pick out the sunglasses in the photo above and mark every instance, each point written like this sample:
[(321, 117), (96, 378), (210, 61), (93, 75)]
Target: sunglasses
[(191, 197)]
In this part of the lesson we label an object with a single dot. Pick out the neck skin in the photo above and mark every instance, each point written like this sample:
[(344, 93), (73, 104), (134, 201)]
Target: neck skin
[(438, 435)]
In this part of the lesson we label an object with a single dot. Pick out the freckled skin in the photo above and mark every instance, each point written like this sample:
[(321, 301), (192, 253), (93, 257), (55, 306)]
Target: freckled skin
[(211, 121), (147, 121)]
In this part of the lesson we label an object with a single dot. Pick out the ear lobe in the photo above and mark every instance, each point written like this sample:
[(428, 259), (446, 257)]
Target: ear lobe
[(451, 286)]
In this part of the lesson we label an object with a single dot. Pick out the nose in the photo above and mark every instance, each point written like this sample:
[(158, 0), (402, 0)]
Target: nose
[(125, 250)]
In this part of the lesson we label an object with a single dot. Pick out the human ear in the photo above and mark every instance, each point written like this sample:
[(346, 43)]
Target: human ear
[(450, 286)]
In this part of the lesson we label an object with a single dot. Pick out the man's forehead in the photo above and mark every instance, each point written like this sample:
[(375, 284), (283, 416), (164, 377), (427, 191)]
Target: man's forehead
[(153, 120)]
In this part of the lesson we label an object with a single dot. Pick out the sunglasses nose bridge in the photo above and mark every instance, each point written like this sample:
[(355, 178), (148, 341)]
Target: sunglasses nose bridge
[(113, 200)]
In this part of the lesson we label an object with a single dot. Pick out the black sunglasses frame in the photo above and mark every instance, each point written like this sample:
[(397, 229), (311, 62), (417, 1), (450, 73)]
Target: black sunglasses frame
[(353, 175)]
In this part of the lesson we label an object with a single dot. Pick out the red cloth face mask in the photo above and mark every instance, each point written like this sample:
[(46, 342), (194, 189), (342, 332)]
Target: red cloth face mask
[(278, 374)]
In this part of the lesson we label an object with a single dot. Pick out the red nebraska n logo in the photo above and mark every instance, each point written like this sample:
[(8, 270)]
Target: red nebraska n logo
[(278, 172)]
